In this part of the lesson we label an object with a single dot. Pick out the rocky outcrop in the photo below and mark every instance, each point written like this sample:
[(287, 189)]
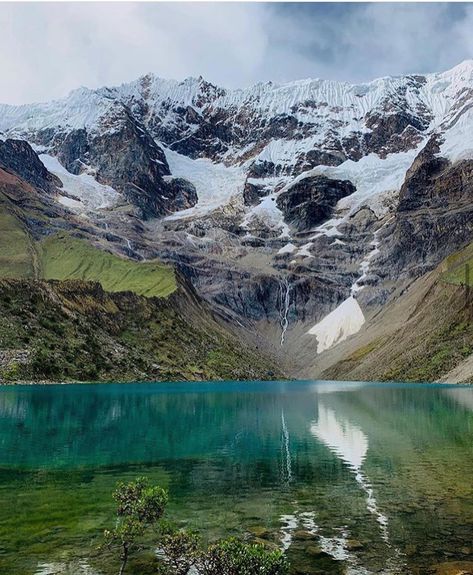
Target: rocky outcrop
[(182, 193), (18, 157), (393, 132), (434, 216), (123, 155), (120, 152), (311, 200)]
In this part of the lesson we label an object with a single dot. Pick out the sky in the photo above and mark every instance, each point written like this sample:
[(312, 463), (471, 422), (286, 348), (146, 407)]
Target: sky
[(48, 49)]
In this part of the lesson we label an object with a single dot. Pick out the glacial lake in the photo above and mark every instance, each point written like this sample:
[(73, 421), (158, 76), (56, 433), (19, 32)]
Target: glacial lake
[(347, 477)]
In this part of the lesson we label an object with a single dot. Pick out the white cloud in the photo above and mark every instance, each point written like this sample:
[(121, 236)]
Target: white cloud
[(46, 50)]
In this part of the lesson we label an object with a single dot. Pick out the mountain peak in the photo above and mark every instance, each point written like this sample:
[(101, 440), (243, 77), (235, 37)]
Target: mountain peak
[(464, 69)]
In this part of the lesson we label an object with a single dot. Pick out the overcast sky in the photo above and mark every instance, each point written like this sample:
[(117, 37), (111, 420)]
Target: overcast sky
[(46, 50)]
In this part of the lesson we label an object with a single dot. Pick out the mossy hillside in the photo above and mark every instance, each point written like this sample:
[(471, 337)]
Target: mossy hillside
[(61, 256), (440, 352), (64, 257), (16, 257), (74, 330), (459, 267)]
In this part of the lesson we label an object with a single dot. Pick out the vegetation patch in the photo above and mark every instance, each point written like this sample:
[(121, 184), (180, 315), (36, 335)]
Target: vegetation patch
[(74, 330), (15, 251), (441, 352), (459, 267), (64, 257)]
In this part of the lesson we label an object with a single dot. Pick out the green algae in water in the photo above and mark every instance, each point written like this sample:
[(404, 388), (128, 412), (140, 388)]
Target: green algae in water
[(345, 476)]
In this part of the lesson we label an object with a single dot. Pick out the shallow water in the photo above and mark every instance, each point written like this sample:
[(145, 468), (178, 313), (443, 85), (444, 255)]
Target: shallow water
[(348, 478)]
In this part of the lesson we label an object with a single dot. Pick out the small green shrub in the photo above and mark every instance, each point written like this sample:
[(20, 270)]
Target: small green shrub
[(12, 372), (139, 507), (179, 552), (234, 557)]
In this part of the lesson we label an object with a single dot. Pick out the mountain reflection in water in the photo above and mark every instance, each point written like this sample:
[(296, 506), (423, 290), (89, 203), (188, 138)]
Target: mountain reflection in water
[(378, 477)]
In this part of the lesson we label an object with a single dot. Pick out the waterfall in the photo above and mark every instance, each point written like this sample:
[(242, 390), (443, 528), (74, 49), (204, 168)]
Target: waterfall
[(284, 297), (128, 244)]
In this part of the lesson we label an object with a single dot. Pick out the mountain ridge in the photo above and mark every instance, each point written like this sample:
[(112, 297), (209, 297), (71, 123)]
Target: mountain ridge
[(460, 70), (282, 204)]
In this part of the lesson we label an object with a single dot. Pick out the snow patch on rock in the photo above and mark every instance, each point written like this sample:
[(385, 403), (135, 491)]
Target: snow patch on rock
[(289, 248), (344, 321), (216, 184), (269, 215), (81, 192)]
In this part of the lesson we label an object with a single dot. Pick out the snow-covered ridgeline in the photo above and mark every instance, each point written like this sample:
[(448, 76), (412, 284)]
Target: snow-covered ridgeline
[(307, 100), (81, 109)]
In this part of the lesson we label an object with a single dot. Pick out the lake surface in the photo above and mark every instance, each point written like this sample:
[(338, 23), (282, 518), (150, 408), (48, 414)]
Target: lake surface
[(348, 478)]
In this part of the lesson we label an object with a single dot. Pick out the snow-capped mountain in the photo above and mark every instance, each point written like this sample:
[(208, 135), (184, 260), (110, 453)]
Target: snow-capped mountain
[(300, 206)]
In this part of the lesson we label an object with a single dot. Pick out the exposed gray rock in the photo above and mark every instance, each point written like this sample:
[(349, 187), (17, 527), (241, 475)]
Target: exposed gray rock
[(125, 156), (434, 216), (182, 192), (310, 201), (18, 157)]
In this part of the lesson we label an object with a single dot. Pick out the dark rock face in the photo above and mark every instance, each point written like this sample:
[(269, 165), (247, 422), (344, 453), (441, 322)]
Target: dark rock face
[(310, 202), (315, 158), (182, 192), (393, 132), (18, 156), (434, 216), (252, 193), (126, 157), (74, 151), (262, 297), (129, 160)]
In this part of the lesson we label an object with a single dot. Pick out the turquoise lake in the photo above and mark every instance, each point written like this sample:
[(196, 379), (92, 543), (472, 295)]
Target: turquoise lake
[(346, 477)]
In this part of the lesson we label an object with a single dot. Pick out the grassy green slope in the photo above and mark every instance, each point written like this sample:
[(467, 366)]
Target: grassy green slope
[(64, 257), (459, 267), (16, 256), (72, 311)]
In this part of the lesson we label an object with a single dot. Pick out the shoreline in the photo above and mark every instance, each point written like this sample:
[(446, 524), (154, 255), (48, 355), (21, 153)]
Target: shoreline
[(197, 381)]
